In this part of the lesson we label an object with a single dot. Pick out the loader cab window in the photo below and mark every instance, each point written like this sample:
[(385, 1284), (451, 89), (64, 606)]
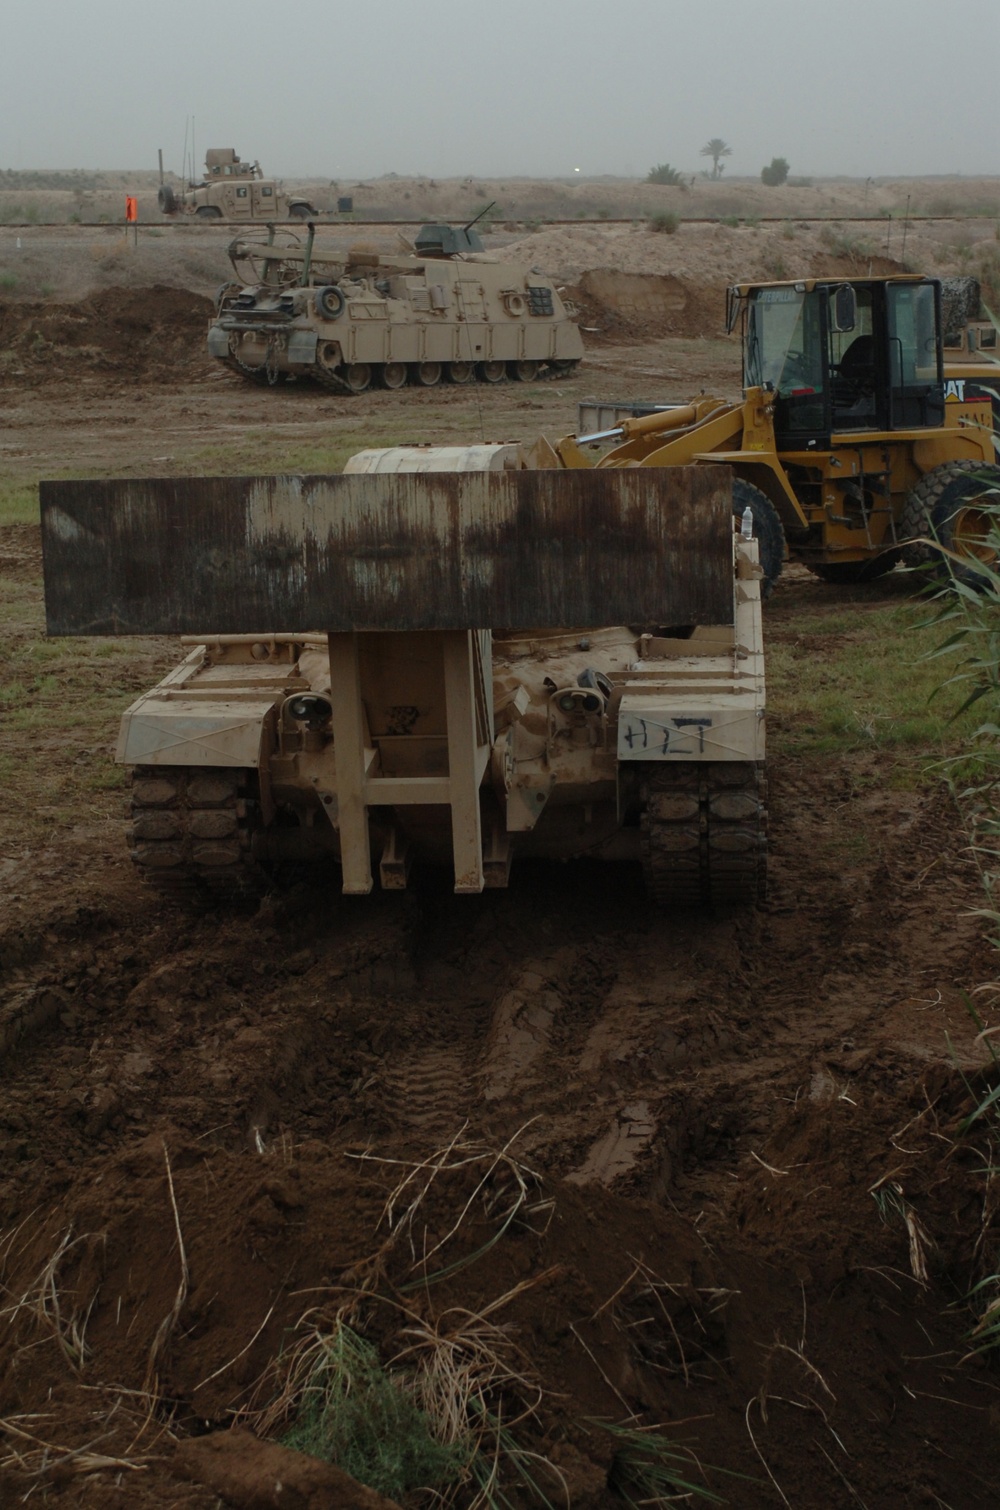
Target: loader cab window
[(916, 389), (783, 349), (854, 379)]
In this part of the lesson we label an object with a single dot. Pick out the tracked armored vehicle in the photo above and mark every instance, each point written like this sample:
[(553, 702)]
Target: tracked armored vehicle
[(299, 309), (502, 662), (232, 190)]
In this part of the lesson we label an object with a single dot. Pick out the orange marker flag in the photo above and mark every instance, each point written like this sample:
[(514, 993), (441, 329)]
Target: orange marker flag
[(131, 209)]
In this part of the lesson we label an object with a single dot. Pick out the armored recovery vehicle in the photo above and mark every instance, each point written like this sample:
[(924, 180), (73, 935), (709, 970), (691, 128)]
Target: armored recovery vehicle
[(971, 349), (447, 311), (233, 190), (501, 662), (843, 445)]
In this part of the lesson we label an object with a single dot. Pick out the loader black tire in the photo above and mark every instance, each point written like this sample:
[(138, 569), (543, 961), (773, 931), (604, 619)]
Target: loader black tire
[(956, 505), (167, 199), (844, 573), (767, 529), (191, 834), (703, 833)]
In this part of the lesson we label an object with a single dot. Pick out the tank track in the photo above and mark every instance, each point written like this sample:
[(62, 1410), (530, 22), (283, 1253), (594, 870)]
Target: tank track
[(703, 833), (191, 833), (329, 380), (259, 375)]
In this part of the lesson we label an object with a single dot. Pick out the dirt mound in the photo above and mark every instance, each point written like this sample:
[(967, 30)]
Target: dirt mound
[(615, 307), (148, 335), (630, 283)]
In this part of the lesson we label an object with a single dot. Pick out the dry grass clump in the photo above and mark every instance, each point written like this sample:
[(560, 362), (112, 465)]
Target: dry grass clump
[(441, 1414), (443, 1407), (47, 1309)]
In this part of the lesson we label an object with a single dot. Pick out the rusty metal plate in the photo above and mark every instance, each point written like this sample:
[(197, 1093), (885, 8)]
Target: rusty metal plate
[(243, 555)]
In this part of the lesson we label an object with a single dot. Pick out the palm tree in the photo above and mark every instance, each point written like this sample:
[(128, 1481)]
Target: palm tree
[(716, 149)]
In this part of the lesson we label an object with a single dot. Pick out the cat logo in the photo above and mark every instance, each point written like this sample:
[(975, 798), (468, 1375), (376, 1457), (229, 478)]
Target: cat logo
[(955, 388)]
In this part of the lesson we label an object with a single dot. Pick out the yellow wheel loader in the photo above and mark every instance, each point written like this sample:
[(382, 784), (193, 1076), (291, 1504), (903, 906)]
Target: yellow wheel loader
[(843, 447)]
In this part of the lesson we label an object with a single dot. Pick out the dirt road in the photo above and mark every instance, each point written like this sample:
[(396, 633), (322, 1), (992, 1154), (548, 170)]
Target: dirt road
[(648, 1143)]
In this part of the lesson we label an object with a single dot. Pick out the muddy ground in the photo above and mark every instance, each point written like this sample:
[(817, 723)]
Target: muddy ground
[(701, 1172)]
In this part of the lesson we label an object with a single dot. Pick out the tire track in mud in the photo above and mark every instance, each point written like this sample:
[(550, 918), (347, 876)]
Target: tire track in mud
[(625, 1035)]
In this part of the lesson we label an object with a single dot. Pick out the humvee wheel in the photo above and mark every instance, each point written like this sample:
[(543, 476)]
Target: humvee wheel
[(357, 377), (492, 372), (767, 529), (208, 212), (192, 833), (703, 833), (958, 504), (393, 374), (426, 374), (460, 372), (523, 372)]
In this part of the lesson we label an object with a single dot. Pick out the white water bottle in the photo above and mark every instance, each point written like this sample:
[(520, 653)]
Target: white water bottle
[(746, 523)]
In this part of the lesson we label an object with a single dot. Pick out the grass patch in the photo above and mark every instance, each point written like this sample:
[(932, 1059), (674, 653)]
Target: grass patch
[(18, 503), (858, 679), (271, 451), (60, 705), (650, 1468), (355, 1414)]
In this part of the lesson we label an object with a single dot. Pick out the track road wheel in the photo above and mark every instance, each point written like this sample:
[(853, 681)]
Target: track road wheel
[(703, 833), (846, 572), (426, 374), (523, 372), (767, 530), (357, 377), (460, 372), (394, 375), (192, 832), (492, 372), (958, 504)]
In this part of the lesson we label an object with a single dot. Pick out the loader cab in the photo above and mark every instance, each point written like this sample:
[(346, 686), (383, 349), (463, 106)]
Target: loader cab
[(843, 357)]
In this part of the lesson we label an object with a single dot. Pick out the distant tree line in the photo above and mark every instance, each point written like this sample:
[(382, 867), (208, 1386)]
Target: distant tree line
[(774, 174)]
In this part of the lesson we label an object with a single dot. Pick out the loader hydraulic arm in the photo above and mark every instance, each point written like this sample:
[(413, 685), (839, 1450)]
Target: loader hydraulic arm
[(643, 436)]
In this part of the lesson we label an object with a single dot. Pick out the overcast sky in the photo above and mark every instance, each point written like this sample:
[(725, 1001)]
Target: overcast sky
[(534, 88)]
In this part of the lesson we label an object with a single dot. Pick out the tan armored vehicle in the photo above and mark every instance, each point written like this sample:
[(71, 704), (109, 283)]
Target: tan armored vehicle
[(971, 350), (233, 190), (503, 662), (448, 311)]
